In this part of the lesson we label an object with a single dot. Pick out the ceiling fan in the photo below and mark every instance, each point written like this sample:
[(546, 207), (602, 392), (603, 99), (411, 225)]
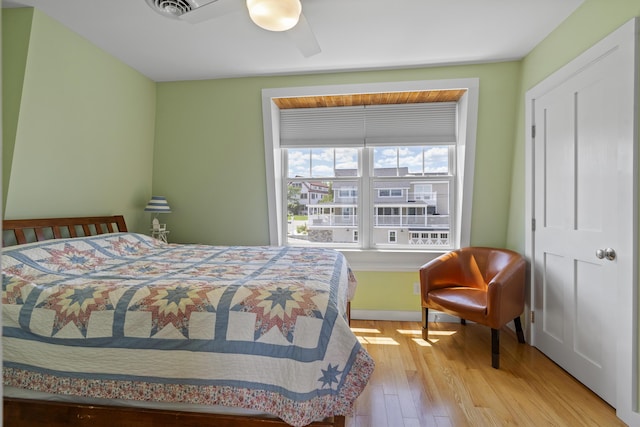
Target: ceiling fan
[(273, 15)]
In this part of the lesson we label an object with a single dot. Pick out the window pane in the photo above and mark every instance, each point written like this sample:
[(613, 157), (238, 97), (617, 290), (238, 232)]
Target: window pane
[(322, 162), (419, 215), (385, 161), (411, 160), (299, 162), (346, 162), (327, 217), (409, 201), (436, 159)]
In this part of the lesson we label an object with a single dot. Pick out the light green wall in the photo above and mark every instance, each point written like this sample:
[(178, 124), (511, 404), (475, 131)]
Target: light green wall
[(16, 30), (84, 127), (395, 289)]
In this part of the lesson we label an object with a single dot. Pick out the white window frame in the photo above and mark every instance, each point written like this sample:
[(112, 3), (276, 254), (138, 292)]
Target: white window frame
[(378, 259)]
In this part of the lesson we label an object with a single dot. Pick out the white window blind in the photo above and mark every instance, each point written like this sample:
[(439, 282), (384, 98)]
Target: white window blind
[(405, 124), (317, 127)]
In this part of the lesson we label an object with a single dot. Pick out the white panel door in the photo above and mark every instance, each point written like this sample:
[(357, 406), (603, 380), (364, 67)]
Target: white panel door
[(575, 193), (578, 151)]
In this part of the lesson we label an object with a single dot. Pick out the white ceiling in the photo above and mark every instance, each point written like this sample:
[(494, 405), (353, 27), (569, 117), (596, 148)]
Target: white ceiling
[(353, 35)]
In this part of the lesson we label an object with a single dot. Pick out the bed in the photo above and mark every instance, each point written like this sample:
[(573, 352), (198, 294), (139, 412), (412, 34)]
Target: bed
[(105, 327)]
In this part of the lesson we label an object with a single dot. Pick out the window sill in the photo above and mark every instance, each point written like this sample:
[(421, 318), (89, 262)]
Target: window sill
[(389, 260)]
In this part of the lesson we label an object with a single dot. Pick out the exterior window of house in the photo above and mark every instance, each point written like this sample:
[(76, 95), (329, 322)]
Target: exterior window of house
[(393, 175), (423, 192), (389, 192), (348, 192)]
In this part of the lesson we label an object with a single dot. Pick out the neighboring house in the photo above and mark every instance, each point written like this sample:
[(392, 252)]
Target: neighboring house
[(405, 212), (310, 193)]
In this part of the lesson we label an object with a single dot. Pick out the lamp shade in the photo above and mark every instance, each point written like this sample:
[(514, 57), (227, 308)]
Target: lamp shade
[(158, 204), (275, 15)]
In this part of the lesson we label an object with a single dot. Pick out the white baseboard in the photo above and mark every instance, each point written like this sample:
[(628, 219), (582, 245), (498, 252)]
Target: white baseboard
[(402, 316)]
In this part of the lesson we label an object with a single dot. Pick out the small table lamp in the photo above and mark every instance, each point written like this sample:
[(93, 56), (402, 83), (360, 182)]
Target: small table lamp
[(158, 205)]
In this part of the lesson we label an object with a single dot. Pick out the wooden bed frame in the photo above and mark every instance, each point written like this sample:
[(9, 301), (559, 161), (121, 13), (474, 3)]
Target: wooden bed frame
[(36, 230), (39, 413)]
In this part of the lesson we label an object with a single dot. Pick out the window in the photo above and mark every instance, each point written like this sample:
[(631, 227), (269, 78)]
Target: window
[(389, 192), (347, 193), (345, 172), (422, 192), (379, 176)]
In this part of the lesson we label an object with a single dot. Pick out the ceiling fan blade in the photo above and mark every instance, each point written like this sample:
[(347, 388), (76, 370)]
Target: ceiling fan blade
[(210, 10), (302, 35)]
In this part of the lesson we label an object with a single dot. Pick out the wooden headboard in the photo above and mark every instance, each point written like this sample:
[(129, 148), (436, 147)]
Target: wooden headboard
[(20, 231)]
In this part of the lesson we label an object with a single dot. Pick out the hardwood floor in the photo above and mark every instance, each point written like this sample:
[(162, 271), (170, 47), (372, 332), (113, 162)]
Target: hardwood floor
[(449, 381)]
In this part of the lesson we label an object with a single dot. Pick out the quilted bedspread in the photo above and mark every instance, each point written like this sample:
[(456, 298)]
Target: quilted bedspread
[(123, 316)]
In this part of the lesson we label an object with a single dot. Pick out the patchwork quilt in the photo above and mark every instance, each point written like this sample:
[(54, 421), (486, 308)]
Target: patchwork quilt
[(124, 316)]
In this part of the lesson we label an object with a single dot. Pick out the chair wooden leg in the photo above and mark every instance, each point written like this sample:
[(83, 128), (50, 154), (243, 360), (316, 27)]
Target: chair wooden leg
[(495, 348), (519, 331), (425, 323)]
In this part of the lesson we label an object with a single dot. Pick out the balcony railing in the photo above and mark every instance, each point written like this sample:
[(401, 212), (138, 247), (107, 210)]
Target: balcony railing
[(440, 241), (333, 221), (423, 221), (421, 196), (428, 221)]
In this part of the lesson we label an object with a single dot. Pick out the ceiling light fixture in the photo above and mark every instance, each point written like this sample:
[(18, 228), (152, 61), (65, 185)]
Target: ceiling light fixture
[(275, 15)]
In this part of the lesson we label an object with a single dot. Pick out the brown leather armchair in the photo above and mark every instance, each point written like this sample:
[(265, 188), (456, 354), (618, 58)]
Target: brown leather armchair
[(480, 284)]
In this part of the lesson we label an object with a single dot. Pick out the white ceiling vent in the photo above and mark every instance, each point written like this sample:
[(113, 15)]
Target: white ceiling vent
[(170, 8)]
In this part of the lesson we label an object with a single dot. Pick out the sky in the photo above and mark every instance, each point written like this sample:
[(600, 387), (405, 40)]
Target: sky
[(319, 162)]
